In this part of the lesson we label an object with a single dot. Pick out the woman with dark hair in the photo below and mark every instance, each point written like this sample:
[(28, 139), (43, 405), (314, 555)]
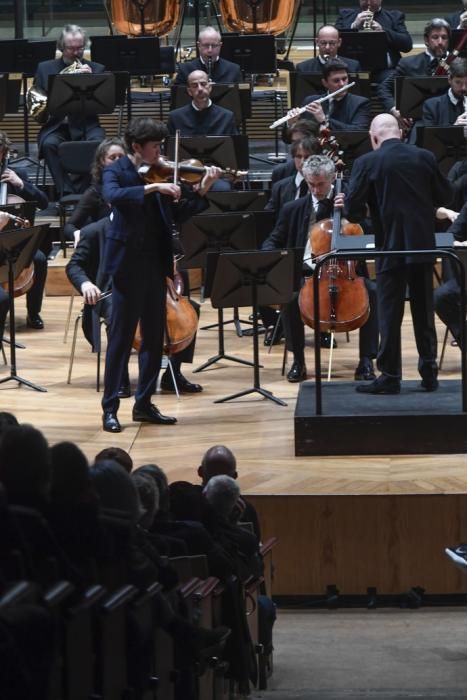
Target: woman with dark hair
[(91, 206)]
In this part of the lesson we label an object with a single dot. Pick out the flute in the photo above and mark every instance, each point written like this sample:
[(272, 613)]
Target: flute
[(288, 116)]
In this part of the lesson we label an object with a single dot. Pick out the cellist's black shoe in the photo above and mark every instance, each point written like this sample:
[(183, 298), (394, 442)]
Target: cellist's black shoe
[(34, 321), (325, 340), (110, 422), (151, 414), (183, 385), (297, 372), (365, 370), (382, 385)]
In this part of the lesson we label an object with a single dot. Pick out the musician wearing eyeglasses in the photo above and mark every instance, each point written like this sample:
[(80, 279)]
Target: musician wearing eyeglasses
[(436, 35), (449, 109), (56, 130), (370, 15), (459, 19), (328, 42), (219, 70)]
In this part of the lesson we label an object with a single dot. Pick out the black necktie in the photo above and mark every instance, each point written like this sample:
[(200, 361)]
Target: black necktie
[(324, 209), (433, 65), (460, 106), (302, 189)]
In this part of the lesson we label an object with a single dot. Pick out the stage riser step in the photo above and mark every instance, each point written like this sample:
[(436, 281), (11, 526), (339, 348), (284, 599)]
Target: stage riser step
[(413, 422)]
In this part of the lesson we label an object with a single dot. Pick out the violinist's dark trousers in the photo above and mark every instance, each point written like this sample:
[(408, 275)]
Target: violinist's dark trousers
[(295, 330), (138, 293), (34, 296), (391, 288)]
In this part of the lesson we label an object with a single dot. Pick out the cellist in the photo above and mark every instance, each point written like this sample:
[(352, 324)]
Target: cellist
[(139, 256), (291, 231), (16, 182)]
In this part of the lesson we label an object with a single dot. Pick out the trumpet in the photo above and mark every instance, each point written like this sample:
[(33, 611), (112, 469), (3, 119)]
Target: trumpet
[(300, 110), (368, 22)]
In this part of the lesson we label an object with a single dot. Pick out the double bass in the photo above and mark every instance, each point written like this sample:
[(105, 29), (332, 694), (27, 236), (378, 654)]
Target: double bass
[(343, 297)]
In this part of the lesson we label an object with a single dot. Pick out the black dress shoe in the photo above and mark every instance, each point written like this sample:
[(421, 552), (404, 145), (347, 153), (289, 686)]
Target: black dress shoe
[(110, 422), (151, 414), (325, 340), (381, 385), (183, 385), (365, 370), (124, 392), (271, 339), (429, 383), (34, 321), (297, 372)]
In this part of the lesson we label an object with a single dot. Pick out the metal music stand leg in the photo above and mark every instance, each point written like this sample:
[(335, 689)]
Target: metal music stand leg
[(13, 376), (235, 320), (221, 354), (256, 389)]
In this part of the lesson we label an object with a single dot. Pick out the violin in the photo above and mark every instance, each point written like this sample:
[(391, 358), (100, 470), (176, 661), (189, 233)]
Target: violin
[(190, 171), (343, 297)]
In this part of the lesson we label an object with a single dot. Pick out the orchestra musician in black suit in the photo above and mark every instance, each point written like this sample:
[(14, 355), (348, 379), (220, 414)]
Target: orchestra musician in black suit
[(328, 42), (436, 35), (139, 256), (298, 130), (56, 130), (340, 113), (390, 21), (291, 231), (449, 109), (17, 183), (218, 69), (459, 19), (293, 186), (400, 184), (201, 116)]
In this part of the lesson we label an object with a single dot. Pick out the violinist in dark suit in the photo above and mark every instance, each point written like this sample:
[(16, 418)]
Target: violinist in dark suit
[(17, 182), (449, 109), (328, 42), (459, 19), (437, 35), (218, 69), (343, 112), (56, 130), (370, 13), (401, 184), (139, 256), (291, 231)]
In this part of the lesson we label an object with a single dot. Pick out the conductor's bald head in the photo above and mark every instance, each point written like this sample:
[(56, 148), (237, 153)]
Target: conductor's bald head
[(383, 127)]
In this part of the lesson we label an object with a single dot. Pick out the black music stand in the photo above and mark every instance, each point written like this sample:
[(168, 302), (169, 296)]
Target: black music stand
[(411, 92), (22, 56), (368, 48), (81, 94), (304, 84), (456, 36), (447, 143), (254, 53), (352, 144), (17, 249), (214, 233), (253, 278), (236, 200), (223, 151), (134, 55)]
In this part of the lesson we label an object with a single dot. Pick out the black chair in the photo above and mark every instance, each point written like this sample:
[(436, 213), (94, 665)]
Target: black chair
[(76, 158)]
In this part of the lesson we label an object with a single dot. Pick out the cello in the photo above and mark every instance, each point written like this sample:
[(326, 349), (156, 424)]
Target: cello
[(343, 297)]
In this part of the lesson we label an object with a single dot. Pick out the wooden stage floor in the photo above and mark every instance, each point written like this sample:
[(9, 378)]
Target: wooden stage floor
[(257, 430)]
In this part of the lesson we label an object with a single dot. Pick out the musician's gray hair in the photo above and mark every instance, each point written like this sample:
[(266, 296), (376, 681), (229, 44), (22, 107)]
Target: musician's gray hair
[(319, 165), (70, 30), (436, 23)]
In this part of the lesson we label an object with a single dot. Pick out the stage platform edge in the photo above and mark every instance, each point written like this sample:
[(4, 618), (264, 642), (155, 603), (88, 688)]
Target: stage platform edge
[(412, 422)]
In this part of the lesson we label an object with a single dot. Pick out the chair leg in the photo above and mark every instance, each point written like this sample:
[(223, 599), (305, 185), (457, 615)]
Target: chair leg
[(331, 349), (5, 361), (284, 358), (443, 350), (275, 331), (68, 318), (73, 348)]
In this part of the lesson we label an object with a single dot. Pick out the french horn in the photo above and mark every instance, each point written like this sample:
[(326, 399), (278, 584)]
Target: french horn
[(36, 97), (262, 16), (144, 17)]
